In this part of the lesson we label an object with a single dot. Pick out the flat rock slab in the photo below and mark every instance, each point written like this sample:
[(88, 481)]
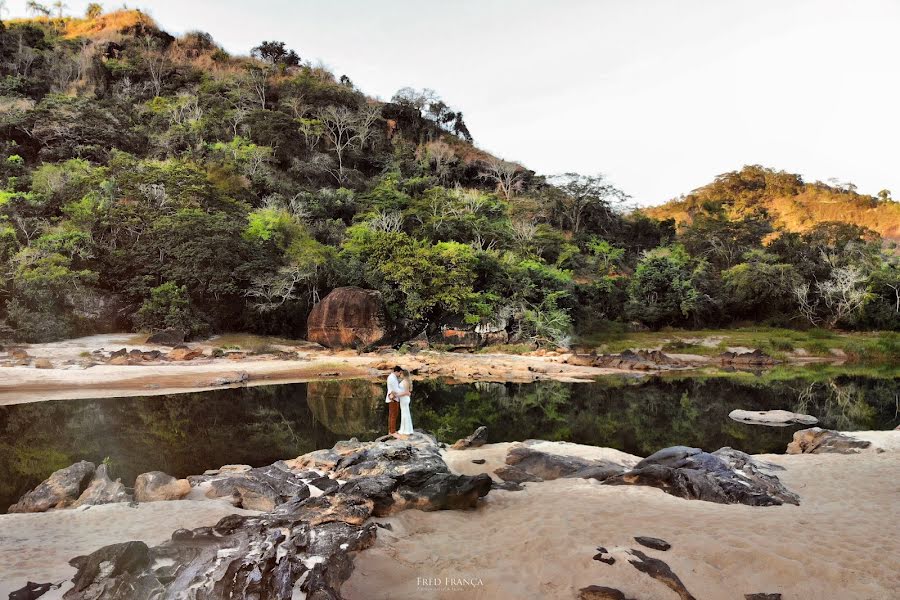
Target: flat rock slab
[(774, 418)]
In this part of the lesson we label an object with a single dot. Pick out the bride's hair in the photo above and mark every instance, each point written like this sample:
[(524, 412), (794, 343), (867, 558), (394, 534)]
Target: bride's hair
[(408, 379)]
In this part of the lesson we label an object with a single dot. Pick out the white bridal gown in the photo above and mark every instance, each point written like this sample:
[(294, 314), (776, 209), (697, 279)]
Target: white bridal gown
[(406, 425)]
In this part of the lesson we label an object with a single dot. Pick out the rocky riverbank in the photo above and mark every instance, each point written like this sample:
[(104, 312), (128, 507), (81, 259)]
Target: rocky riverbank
[(118, 365), (337, 523)]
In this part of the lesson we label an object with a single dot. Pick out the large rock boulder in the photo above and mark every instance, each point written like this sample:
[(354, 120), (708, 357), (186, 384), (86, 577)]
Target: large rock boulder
[(821, 441), (60, 490), (103, 490), (776, 418), (545, 465), (726, 476), (348, 317), (156, 486)]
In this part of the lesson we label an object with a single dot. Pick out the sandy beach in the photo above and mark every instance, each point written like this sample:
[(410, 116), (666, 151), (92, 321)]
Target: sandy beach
[(72, 375), (841, 543)]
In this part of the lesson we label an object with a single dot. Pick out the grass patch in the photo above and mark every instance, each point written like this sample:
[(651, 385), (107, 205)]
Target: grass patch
[(506, 349), (875, 347)]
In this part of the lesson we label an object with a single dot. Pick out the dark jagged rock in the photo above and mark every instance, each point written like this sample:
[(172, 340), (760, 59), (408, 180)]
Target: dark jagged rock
[(726, 476), (599, 592), (604, 556), (262, 488), (33, 591), (653, 543), (660, 571), (474, 440), (756, 358), (102, 490), (478, 461), (549, 466), (378, 488), (60, 490), (168, 337), (271, 556), (762, 596), (816, 440), (512, 474), (301, 549), (348, 317)]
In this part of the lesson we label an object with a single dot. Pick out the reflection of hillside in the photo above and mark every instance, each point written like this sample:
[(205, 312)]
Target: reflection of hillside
[(347, 407)]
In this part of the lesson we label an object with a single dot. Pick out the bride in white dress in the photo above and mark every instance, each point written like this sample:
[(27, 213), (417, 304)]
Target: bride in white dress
[(406, 424)]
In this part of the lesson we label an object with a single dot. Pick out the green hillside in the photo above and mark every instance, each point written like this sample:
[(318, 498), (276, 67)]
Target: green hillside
[(149, 181)]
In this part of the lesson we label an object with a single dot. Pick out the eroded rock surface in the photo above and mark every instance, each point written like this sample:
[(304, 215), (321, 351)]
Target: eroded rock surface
[(60, 490), (756, 358), (725, 476), (548, 466), (642, 360), (103, 490), (821, 441), (301, 549)]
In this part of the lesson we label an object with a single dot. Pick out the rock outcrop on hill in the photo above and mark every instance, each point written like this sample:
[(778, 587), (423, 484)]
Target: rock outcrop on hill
[(348, 317)]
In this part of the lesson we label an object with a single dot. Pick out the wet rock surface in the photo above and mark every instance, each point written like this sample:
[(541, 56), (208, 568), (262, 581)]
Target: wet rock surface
[(62, 489), (822, 441), (725, 476), (301, 548)]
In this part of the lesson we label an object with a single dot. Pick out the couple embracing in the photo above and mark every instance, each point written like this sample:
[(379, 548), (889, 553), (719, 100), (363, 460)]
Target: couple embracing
[(399, 389)]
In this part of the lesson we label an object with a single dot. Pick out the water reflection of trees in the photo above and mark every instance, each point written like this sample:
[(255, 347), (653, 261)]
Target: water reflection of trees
[(187, 433)]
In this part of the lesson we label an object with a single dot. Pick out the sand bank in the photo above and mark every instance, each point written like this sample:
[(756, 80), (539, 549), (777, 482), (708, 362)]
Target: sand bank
[(842, 542)]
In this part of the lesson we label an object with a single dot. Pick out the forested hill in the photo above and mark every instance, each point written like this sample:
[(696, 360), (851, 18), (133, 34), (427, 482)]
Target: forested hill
[(149, 181), (792, 204)]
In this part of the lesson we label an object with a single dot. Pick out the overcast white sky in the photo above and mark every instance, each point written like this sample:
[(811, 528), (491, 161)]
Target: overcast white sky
[(659, 95)]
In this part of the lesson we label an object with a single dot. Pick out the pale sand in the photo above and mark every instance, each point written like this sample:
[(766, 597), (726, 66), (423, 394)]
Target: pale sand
[(37, 547), (19, 384), (841, 543)]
